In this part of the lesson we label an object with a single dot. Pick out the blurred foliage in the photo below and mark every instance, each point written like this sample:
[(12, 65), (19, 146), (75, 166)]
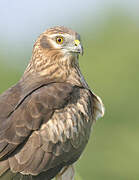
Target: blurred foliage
[(110, 65)]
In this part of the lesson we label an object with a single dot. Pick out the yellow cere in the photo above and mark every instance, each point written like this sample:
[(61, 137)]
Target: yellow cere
[(77, 42)]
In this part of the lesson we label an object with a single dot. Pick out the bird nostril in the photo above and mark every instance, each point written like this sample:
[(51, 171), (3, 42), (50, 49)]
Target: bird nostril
[(76, 42)]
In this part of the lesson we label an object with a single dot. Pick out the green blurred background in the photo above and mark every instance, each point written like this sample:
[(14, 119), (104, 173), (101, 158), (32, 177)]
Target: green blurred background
[(110, 65)]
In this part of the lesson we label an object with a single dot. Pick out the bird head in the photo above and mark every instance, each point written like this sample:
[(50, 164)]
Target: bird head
[(61, 40), (55, 53)]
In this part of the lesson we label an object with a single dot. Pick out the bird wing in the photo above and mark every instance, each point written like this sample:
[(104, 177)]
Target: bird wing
[(17, 124), (46, 131)]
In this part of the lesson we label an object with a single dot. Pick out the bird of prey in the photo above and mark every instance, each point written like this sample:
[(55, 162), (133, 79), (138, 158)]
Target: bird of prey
[(46, 118)]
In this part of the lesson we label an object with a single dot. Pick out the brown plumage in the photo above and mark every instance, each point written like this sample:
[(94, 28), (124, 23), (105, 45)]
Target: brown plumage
[(46, 118)]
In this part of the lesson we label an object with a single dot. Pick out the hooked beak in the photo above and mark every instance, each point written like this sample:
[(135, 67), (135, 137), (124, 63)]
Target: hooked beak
[(78, 47)]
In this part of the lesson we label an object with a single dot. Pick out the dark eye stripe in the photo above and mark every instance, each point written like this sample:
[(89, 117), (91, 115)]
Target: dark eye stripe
[(44, 42)]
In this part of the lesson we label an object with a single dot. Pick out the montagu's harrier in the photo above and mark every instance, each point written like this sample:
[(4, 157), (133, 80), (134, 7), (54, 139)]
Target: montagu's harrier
[(46, 118)]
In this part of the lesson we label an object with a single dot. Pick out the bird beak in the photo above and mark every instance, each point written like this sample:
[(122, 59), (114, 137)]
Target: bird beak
[(78, 47)]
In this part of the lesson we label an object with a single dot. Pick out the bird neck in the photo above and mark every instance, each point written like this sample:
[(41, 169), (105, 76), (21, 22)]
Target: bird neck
[(59, 68)]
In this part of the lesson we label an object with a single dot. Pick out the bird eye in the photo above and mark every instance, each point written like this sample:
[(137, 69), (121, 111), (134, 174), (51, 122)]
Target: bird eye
[(59, 40)]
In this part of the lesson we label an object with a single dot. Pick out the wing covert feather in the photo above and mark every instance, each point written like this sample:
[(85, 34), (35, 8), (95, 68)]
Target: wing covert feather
[(36, 109)]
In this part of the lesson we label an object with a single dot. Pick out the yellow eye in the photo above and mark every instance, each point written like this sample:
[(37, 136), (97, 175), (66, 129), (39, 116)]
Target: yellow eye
[(59, 40)]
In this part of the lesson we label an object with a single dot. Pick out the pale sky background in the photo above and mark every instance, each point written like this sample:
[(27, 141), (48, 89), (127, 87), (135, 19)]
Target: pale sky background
[(22, 21), (28, 17)]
